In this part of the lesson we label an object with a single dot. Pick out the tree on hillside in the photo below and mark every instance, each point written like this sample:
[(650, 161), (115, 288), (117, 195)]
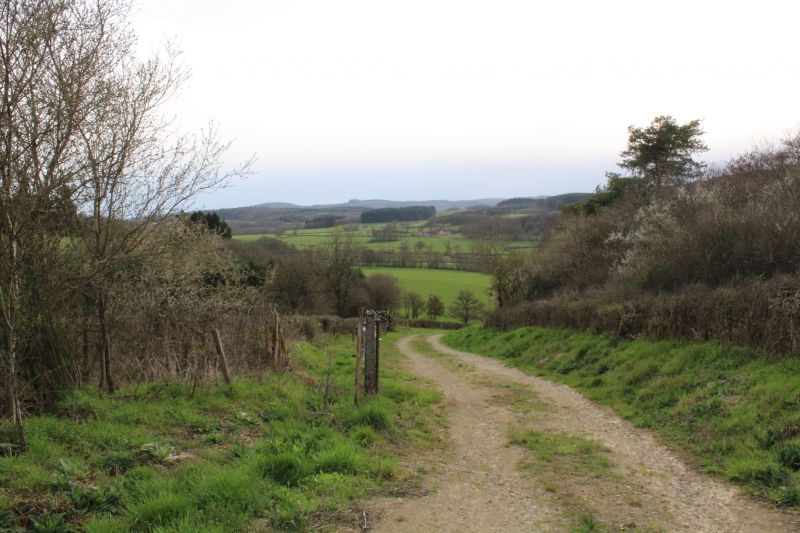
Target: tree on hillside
[(388, 233), (139, 173), (297, 284), (213, 222), (466, 306), (616, 188), (405, 254), (383, 291), (508, 279), (341, 273), (413, 304), (398, 214), (663, 151), (658, 155), (434, 307), (50, 56), (92, 176)]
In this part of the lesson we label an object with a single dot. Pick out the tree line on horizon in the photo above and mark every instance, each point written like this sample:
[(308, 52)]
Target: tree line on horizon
[(398, 214)]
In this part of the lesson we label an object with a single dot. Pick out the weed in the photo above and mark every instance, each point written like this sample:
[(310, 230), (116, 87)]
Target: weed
[(787, 496), (160, 453), (563, 452), (586, 524), (214, 438), (789, 455), (286, 468), (373, 413), (106, 499), (158, 509), (341, 458), (363, 435), (51, 523), (8, 520), (117, 462), (756, 472), (385, 468)]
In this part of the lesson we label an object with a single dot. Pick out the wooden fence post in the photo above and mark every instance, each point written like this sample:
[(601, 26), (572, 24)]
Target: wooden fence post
[(371, 352), (221, 355), (359, 355)]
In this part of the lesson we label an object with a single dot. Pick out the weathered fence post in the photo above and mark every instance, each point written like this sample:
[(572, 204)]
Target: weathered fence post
[(360, 329), (221, 355), (275, 343), (371, 352)]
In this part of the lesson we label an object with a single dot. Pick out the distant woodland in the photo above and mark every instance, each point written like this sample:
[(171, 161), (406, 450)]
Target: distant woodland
[(398, 214)]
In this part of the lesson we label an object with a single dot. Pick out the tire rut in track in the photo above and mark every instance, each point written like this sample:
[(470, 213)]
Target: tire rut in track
[(479, 487)]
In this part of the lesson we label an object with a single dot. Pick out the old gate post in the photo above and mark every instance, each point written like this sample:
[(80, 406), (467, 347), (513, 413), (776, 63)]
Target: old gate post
[(371, 352), (360, 330)]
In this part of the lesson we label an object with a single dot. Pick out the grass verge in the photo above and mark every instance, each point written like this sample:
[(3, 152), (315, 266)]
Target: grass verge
[(289, 452), (727, 409)]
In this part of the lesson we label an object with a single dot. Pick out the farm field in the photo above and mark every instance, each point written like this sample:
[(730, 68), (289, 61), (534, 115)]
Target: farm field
[(305, 238), (443, 283)]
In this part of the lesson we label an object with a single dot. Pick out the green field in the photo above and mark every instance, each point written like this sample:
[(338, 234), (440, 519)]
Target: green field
[(306, 239), (443, 283), (362, 235)]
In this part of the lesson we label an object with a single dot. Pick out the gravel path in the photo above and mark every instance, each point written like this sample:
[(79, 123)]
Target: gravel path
[(479, 487)]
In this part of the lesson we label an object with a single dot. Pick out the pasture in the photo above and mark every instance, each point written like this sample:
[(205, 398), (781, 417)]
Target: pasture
[(412, 235), (443, 283)]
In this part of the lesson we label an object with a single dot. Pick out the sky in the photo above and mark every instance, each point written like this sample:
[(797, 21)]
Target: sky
[(463, 99)]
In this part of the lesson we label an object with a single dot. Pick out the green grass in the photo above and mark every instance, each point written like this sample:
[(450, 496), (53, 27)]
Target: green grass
[(728, 410), (443, 283), (454, 243), (563, 454), (252, 236), (270, 455), (559, 463)]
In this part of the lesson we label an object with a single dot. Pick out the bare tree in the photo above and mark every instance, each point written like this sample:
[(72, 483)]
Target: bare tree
[(466, 306), (413, 304), (384, 293), (82, 135), (508, 279), (341, 273), (434, 307), (50, 52), (296, 284), (138, 175)]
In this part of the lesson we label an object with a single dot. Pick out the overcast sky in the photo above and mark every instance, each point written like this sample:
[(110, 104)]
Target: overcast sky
[(413, 100)]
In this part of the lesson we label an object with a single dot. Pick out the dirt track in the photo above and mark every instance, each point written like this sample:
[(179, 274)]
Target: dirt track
[(478, 485)]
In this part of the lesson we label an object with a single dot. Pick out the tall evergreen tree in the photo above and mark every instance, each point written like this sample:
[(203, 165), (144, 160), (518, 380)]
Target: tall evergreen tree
[(663, 152)]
